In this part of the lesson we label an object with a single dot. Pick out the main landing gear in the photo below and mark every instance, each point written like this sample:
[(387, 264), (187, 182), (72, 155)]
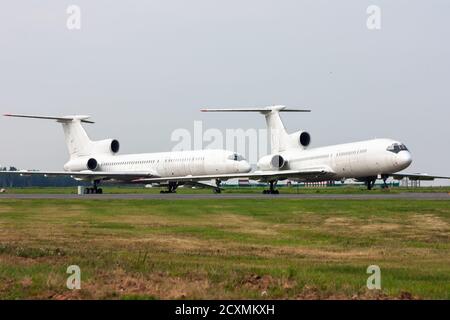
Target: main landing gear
[(172, 188), (385, 185), (370, 183), (217, 189), (272, 189), (94, 189)]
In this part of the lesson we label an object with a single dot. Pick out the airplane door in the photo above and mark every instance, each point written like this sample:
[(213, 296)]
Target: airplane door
[(353, 163)]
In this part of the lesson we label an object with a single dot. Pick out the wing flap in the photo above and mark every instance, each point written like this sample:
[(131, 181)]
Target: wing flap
[(313, 173)]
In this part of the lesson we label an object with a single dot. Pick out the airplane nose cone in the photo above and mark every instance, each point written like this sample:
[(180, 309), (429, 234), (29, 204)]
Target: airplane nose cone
[(404, 159), (244, 167)]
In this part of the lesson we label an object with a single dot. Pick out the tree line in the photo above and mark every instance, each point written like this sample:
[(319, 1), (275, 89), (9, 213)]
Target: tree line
[(8, 180)]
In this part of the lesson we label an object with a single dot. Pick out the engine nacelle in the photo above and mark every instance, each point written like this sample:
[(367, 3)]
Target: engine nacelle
[(300, 139), (271, 162), (81, 164), (108, 146)]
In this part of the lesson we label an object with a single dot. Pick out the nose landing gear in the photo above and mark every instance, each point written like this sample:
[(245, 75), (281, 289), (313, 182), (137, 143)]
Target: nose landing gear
[(385, 185)]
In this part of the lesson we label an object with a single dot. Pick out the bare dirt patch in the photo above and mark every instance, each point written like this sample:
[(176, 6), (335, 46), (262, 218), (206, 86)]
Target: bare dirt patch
[(314, 293), (263, 283), (118, 283)]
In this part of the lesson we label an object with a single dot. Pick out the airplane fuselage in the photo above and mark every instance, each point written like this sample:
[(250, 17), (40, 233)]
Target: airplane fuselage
[(363, 159), (167, 164)]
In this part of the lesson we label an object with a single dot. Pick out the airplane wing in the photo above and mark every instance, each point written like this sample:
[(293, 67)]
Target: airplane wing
[(199, 184), (310, 174), (85, 175), (416, 176), (307, 174)]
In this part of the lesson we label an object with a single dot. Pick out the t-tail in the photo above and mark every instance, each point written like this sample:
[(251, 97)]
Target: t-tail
[(77, 140), (280, 139)]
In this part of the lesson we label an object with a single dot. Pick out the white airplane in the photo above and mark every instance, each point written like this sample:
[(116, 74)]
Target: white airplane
[(291, 159), (98, 161)]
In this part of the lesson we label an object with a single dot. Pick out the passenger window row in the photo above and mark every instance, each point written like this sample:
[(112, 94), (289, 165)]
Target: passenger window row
[(151, 161)]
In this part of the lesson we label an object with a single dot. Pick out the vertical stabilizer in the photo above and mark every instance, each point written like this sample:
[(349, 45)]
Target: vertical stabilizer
[(77, 140), (279, 138)]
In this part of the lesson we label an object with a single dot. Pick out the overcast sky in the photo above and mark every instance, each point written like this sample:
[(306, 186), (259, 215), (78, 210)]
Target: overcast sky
[(144, 68)]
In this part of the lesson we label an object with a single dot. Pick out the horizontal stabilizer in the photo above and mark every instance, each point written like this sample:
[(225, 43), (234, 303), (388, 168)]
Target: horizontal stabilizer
[(263, 110), (82, 118)]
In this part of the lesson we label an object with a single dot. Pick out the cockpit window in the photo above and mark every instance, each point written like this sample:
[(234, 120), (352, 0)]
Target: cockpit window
[(236, 157), (397, 147)]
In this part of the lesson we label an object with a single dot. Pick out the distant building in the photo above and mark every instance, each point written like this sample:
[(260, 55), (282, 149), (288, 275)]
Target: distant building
[(243, 182)]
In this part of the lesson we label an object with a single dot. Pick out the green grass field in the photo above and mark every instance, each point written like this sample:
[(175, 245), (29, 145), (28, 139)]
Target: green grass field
[(357, 189), (210, 249)]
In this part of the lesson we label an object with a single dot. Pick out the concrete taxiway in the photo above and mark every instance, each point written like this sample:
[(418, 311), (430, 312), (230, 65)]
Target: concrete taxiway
[(175, 196)]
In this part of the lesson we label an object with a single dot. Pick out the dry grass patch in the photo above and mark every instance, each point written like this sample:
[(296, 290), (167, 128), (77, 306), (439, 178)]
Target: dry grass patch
[(430, 222), (243, 224)]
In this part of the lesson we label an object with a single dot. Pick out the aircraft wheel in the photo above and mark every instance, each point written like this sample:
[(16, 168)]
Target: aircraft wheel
[(100, 191), (217, 190)]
